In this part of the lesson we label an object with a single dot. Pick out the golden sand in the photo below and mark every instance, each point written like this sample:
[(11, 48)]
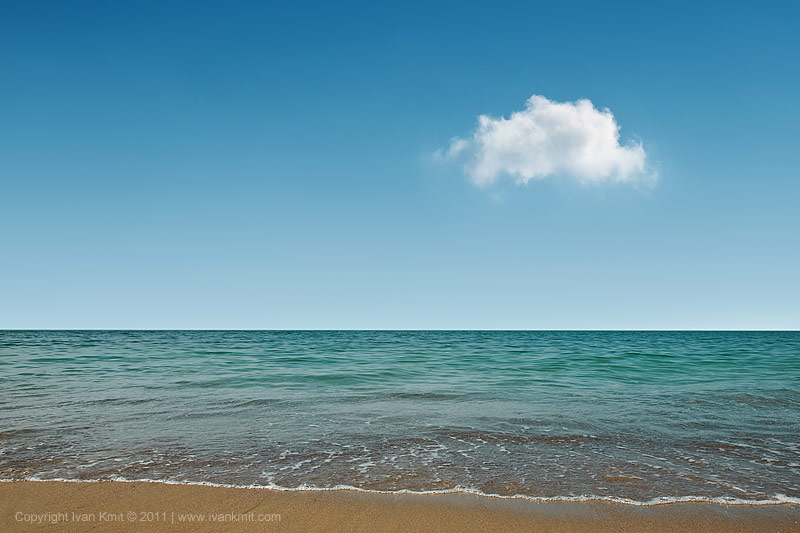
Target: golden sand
[(115, 506)]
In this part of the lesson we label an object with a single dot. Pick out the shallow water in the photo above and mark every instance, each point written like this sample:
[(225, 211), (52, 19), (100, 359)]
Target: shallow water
[(619, 415)]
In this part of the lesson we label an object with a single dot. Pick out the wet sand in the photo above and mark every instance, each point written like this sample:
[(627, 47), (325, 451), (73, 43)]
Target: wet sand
[(140, 506)]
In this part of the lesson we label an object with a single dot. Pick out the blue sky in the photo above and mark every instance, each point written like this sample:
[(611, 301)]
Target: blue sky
[(248, 165)]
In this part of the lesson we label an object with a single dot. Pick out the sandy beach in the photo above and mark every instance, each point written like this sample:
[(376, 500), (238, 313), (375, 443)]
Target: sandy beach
[(140, 506)]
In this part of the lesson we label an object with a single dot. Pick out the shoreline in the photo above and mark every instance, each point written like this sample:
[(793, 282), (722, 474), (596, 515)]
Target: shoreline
[(778, 499), (158, 506)]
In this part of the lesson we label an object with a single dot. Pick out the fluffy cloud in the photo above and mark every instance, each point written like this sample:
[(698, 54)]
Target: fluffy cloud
[(549, 139)]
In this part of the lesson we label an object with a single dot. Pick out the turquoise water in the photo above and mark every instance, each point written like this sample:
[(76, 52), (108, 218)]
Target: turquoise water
[(629, 415)]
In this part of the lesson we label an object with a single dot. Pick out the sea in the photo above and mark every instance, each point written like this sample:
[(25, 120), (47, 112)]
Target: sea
[(642, 417)]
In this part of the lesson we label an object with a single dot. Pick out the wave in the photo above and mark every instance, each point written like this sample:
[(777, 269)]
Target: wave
[(777, 499)]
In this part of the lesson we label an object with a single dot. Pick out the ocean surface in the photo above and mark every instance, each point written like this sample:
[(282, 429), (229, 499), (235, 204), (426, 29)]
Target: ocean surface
[(631, 416)]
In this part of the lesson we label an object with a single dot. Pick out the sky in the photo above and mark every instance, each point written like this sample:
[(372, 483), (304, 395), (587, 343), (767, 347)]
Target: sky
[(259, 165)]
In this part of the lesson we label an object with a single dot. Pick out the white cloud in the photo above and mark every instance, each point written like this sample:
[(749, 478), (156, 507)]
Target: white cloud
[(549, 138)]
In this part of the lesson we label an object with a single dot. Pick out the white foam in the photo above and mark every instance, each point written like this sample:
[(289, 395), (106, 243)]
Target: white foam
[(776, 499)]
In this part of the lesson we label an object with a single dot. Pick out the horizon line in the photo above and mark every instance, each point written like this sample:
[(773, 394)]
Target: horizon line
[(414, 329)]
